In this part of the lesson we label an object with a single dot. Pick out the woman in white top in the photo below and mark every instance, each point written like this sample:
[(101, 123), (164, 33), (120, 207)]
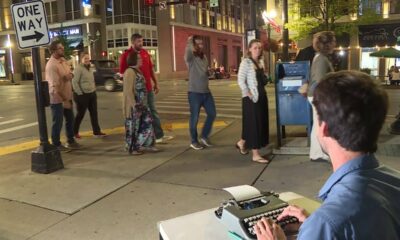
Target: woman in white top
[(255, 124)]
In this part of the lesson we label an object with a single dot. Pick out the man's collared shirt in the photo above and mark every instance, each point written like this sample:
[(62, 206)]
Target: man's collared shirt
[(361, 200), (57, 73)]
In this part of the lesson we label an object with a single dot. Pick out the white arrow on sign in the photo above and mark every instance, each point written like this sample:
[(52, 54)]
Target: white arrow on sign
[(163, 5), (30, 24)]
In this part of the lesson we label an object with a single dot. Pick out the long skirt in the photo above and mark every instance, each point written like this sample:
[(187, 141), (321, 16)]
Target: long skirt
[(255, 124), (139, 129)]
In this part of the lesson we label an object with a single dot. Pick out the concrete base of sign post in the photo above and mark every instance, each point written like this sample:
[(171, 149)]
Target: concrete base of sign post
[(46, 159), (395, 127)]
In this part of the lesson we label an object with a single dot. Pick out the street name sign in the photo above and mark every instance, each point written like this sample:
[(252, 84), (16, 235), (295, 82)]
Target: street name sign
[(30, 24)]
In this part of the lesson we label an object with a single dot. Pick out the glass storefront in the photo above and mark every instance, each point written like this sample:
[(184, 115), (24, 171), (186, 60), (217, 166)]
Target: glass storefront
[(115, 54), (367, 61), (2, 66)]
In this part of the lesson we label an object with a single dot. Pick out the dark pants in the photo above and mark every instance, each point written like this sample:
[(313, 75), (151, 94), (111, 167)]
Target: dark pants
[(158, 131), (58, 112), (196, 101), (84, 102)]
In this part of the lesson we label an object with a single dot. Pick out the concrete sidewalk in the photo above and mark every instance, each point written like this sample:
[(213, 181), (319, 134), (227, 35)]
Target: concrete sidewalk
[(103, 193)]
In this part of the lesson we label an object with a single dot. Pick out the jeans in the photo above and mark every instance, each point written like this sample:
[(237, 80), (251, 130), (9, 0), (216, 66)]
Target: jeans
[(158, 131), (84, 102), (196, 101), (58, 112)]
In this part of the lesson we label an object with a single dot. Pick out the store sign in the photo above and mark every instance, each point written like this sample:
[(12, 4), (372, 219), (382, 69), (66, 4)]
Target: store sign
[(378, 35), (68, 31), (87, 3), (213, 3), (30, 24)]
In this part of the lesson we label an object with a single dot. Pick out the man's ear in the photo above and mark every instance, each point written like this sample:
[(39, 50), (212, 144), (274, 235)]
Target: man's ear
[(323, 127)]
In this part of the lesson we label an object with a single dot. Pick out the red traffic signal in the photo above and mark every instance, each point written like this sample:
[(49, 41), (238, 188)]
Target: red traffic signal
[(149, 2), (104, 53)]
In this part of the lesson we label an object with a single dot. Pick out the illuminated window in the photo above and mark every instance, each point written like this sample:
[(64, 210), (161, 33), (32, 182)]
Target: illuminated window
[(172, 11), (199, 14), (219, 22)]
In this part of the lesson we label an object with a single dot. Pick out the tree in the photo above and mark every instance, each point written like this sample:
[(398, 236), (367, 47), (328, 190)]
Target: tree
[(331, 15), (62, 36)]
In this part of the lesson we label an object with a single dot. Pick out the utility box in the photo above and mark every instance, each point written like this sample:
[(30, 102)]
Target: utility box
[(292, 108)]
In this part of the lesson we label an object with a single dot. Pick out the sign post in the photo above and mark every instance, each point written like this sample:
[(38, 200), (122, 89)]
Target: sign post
[(32, 31)]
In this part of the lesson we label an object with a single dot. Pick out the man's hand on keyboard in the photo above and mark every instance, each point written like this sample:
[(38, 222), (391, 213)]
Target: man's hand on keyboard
[(266, 229), (294, 211)]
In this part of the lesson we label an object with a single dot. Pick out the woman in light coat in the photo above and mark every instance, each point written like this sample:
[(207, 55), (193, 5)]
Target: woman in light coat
[(324, 44), (85, 96)]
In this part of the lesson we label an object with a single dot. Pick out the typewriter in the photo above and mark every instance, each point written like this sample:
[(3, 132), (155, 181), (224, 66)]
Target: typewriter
[(240, 215)]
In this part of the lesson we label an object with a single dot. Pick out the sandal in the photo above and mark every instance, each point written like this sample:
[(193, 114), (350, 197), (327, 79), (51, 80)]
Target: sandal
[(242, 150), (261, 160)]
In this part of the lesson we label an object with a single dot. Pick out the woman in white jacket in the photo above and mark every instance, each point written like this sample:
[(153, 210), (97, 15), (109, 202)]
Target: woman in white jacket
[(255, 124)]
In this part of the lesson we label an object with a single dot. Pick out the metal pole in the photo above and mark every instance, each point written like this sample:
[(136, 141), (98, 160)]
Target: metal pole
[(46, 158), (285, 33), (269, 49), (39, 100), (252, 14)]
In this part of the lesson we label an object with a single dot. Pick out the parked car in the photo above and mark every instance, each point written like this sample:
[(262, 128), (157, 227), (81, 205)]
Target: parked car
[(106, 74)]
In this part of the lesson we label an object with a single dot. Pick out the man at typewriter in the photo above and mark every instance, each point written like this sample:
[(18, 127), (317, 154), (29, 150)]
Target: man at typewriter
[(361, 197)]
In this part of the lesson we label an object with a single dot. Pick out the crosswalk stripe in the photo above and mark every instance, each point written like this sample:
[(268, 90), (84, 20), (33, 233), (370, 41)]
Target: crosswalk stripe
[(202, 114), (216, 98), (187, 108), (18, 127), (11, 121), (186, 103), (219, 95)]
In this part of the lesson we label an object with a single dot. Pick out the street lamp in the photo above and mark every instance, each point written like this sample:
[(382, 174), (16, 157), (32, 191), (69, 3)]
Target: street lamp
[(268, 18), (92, 40), (11, 66)]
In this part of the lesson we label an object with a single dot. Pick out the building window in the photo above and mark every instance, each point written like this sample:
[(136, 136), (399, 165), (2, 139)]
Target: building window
[(394, 7), (370, 5), (51, 11), (97, 9), (72, 9)]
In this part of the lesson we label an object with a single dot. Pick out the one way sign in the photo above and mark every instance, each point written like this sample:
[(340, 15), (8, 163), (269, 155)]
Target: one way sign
[(30, 23)]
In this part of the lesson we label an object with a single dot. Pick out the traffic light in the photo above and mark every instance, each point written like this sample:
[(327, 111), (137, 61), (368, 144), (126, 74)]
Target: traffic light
[(148, 2), (104, 53)]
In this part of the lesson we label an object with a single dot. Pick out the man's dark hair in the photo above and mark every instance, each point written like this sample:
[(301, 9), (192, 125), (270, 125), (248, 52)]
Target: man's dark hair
[(354, 108), (135, 36), (196, 37), (53, 45), (132, 58)]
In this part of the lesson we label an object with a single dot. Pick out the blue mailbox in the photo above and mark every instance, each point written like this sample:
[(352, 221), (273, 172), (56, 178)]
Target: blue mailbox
[(291, 107)]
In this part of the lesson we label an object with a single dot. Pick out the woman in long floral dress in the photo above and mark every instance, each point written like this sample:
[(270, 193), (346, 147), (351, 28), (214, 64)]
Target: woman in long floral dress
[(138, 120)]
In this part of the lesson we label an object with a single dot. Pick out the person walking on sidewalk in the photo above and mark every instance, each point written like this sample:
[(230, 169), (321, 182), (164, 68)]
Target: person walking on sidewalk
[(199, 94), (138, 120), (85, 96), (59, 76), (255, 123), (324, 44), (149, 75), (361, 197)]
